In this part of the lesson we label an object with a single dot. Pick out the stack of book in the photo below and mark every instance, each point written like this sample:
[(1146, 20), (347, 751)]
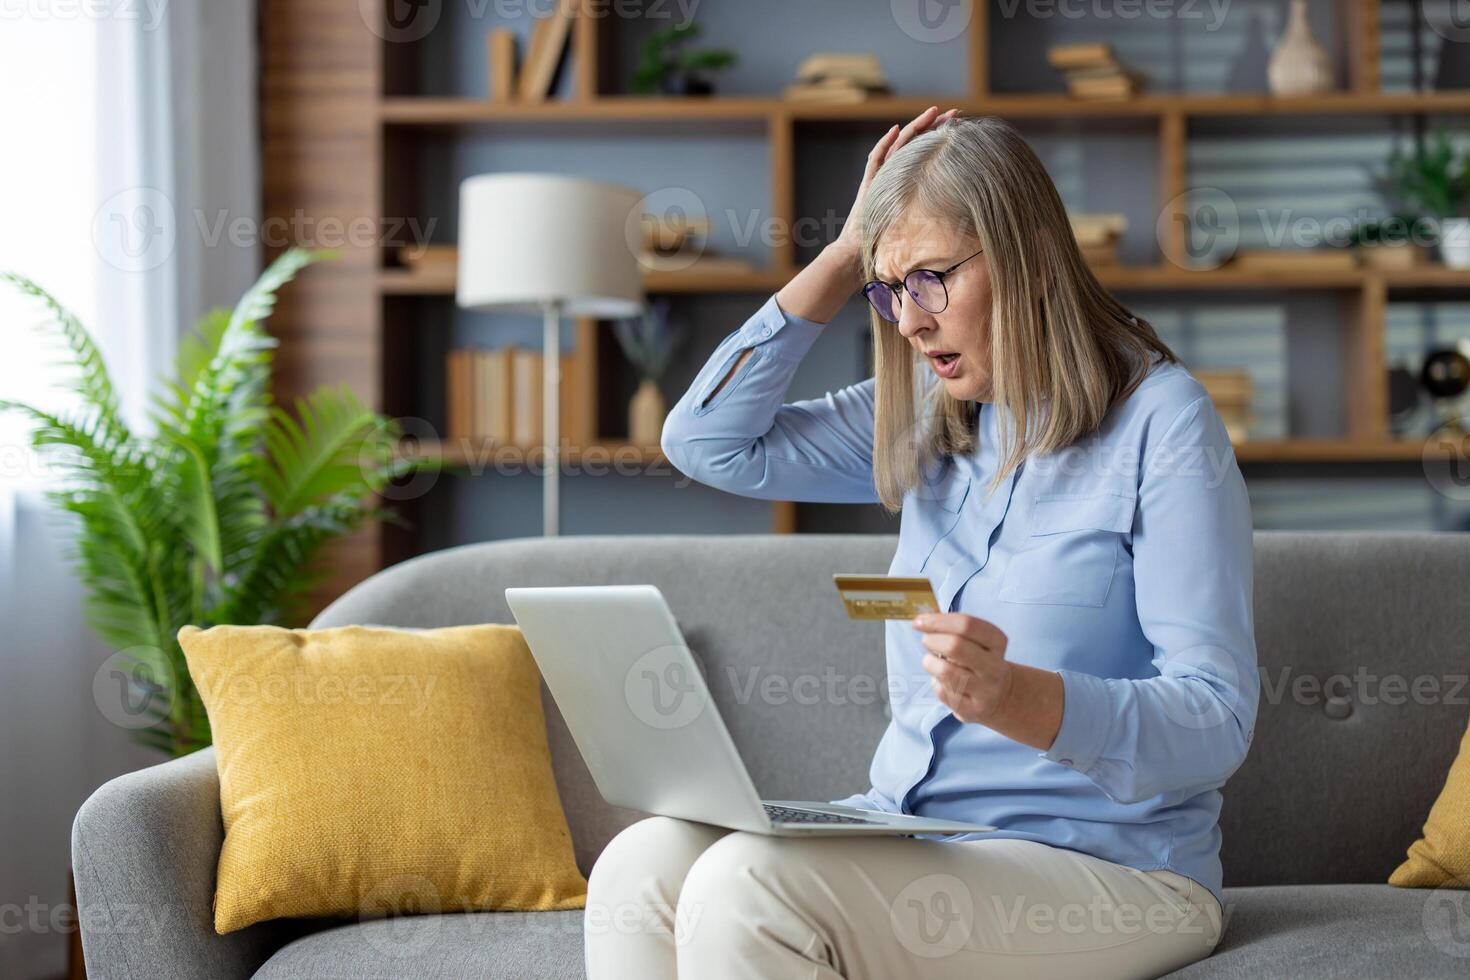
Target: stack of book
[(1093, 72), (1231, 393), (838, 78), (1098, 236), (543, 57), (498, 395)]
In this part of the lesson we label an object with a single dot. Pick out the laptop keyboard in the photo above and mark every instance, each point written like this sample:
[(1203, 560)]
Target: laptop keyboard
[(786, 814)]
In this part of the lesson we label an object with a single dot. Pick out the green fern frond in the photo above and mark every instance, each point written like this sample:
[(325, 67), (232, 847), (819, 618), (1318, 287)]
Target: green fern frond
[(94, 383), (321, 456)]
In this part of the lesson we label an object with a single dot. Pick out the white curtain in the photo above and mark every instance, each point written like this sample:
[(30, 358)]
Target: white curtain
[(129, 130)]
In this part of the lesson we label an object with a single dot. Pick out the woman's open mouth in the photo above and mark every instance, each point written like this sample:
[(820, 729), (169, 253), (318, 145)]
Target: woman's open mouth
[(945, 363)]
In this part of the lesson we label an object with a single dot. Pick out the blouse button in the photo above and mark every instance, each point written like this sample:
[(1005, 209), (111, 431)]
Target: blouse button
[(1065, 762)]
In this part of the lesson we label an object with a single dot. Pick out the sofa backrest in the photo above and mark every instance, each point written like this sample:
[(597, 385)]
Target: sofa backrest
[(1361, 640)]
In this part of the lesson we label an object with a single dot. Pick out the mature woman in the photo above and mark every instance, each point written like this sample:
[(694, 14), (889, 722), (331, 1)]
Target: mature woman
[(1089, 682)]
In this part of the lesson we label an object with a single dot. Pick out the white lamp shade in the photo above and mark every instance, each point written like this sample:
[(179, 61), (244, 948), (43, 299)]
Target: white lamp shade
[(526, 239)]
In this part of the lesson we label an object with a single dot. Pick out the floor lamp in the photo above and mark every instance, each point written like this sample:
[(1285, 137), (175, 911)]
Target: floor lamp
[(554, 245)]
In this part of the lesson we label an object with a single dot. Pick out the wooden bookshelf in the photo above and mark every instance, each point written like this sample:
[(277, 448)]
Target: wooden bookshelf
[(334, 145)]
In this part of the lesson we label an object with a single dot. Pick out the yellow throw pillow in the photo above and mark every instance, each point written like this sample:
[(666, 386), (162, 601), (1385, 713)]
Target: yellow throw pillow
[(370, 770), (1442, 855)]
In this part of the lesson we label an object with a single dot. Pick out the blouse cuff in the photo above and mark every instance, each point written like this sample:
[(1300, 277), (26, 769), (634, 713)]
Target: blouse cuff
[(781, 334), (1086, 721)]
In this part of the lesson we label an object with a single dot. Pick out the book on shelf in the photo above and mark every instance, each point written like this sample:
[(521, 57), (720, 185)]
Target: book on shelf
[(695, 264), (838, 77), (498, 396), (548, 42), (1122, 84), (1103, 254), (833, 92), (1295, 259), (860, 68), (500, 49), (1097, 230), (1084, 55), (1092, 71), (1230, 391)]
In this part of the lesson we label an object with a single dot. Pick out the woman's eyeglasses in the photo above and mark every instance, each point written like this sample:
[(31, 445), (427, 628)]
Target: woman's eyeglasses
[(925, 285)]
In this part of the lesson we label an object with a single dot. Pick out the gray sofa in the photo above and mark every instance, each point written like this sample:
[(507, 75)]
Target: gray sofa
[(1336, 787)]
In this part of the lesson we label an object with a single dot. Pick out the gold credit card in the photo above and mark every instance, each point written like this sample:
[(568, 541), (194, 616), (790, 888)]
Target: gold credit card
[(885, 596)]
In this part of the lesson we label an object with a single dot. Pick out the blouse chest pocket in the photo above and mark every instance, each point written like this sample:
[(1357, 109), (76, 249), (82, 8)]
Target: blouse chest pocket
[(930, 513), (1072, 551)]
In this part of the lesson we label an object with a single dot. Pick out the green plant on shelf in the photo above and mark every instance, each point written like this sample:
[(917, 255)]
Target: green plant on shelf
[(1431, 181), (664, 67), (218, 515)]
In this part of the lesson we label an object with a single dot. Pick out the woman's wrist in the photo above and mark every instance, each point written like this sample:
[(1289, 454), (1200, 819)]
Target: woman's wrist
[(824, 285), (1030, 711)]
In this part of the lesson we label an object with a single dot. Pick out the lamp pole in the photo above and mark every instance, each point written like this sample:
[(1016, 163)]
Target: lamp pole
[(550, 420)]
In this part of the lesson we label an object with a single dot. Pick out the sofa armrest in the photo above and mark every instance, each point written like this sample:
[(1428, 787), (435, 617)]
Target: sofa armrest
[(144, 851)]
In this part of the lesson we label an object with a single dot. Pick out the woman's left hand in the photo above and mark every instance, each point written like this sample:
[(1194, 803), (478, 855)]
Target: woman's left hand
[(967, 665)]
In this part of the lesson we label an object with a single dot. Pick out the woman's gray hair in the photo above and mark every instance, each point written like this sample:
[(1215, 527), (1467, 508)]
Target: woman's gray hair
[(1063, 350)]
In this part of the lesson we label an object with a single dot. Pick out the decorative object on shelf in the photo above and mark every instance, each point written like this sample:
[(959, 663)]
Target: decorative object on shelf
[(544, 54), (556, 245), (1231, 393), (1454, 242), (1446, 376), (675, 242), (217, 517), (1299, 65), (648, 342), (838, 78), (500, 59), (1092, 71), (671, 232), (1098, 236), (1430, 184), (1404, 400), (1386, 244), (665, 70)]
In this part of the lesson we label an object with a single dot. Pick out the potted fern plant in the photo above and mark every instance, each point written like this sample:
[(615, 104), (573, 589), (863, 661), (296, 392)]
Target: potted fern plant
[(216, 515)]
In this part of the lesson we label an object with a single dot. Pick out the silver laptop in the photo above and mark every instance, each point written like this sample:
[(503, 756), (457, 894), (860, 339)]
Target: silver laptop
[(642, 716)]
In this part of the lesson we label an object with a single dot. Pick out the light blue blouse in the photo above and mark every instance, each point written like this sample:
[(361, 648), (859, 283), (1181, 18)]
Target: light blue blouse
[(1122, 562)]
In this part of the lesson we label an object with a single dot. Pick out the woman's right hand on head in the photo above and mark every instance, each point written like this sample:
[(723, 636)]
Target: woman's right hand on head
[(851, 237)]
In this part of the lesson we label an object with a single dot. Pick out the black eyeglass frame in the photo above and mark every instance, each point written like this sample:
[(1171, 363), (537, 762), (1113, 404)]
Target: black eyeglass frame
[(894, 287)]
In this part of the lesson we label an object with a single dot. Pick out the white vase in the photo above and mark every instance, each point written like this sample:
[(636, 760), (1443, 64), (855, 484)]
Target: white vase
[(1454, 242), (1299, 65), (646, 413)]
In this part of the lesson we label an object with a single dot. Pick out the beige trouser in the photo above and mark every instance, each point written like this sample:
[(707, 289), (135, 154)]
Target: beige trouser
[(674, 898)]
